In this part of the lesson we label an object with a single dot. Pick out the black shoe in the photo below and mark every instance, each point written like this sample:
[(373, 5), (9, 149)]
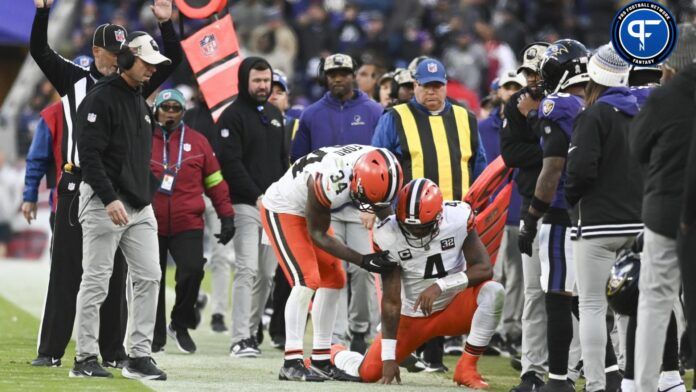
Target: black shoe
[(331, 372), (116, 364), (259, 335), (89, 367), (613, 383), (454, 345), (242, 349), (530, 382), (218, 323), (143, 368), (157, 348), (296, 371), (201, 301), (435, 367), (182, 338), (413, 364), (516, 363), (254, 344), (357, 342), (278, 342), (496, 346), (46, 361), (558, 386)]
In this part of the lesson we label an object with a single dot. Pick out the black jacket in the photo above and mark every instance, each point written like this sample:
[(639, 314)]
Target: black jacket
[(114, 128), (659, 138), (201, 119), (603, 183), (252, 151), (520, 147), (689, 213)]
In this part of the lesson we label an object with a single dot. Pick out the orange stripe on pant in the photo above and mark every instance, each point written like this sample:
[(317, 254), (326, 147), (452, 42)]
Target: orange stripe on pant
[(302, 262), (454, 320)]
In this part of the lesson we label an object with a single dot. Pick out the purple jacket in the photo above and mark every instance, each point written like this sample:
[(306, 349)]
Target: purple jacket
[(329, 122)]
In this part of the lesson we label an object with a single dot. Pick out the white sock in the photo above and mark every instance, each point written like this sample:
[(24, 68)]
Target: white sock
[(487, 315), (349, 362), (296, 320), (628, 385), (323, 319)]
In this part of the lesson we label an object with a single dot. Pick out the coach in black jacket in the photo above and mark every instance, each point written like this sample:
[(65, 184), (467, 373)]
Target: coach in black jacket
[(659, 138), (72, 83)]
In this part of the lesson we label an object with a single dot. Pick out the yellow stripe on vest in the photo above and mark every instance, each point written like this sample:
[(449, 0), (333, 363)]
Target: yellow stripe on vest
[(412, 139), (461, 117), (444, 169), (295, 125), (213, 179)]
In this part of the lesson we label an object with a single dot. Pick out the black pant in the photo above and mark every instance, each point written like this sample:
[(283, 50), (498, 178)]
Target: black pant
[(281, 292), (64, 283), (186, 249), (686, 251)]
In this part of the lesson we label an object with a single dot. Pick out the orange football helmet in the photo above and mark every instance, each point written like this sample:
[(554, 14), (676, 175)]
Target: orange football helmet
[(376, 179), (418, 211)]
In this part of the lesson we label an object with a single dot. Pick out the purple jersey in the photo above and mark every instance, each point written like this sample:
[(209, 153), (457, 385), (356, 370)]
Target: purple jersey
[(561, 109)]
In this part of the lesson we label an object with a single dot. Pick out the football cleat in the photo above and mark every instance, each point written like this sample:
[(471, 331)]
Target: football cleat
[(296, 371)]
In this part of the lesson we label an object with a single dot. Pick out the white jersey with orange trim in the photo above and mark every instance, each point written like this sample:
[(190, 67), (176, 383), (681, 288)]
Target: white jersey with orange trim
[(330, 167), (421, 267)]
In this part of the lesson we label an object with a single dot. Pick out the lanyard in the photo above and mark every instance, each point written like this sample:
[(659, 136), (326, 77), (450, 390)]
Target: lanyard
[(165, 161)]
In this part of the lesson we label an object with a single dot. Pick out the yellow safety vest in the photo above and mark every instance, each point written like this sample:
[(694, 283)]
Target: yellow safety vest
[(438, 147)]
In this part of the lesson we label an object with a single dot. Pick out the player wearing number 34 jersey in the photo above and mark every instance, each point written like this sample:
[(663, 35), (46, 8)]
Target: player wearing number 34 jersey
[(296, 214), (441, 287)]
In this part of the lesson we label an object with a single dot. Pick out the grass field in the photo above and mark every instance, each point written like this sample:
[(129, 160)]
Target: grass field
[(210, 369)]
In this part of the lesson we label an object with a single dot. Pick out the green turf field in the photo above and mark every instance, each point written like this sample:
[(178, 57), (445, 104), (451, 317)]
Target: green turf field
[(210, 368)]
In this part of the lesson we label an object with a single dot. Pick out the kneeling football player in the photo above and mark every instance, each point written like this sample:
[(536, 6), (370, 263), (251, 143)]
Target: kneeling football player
[(445, 275)]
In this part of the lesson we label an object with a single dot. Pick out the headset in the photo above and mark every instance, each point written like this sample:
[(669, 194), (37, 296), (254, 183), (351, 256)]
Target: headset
[(125, 57)]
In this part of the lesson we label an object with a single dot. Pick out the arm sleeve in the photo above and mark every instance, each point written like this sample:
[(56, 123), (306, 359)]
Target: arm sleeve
[(92, 140), (38, 161), (518, 151), (172, 50), (555, 141), (689, 211), (214, 185), (62, 73), (230, 158), (584, 155), (301, 142), (385, 135)]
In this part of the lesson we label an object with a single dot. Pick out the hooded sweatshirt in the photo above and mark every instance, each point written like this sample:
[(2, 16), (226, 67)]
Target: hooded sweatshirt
[(251, 148), (330, 122), (603, 181)]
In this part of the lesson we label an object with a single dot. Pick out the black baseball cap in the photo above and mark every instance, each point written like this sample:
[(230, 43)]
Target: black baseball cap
[(109, 36)]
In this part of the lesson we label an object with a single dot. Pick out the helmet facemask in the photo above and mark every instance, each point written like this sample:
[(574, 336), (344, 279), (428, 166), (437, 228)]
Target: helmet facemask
[(420, 235)]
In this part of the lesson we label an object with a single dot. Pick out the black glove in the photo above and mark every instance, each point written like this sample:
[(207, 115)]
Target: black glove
[(378, 262), (527, 233), (226, 230)]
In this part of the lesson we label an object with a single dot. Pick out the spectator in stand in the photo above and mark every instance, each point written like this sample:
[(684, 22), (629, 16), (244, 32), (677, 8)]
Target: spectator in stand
[(350, 34), (376, 45), (275, 41), (247, 14), (367, 75), (314, 34), (466, 61), (386, 90), (344, 115), (509, 29)]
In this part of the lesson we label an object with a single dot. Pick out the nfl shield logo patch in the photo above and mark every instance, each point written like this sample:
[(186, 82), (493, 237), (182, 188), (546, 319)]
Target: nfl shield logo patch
[(432, 67), (187, 147), (209, 45), (120, 35), (167, 95), (91, 117)]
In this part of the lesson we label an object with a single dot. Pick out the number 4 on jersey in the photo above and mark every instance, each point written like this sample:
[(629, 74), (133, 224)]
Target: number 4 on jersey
[(434, 262)]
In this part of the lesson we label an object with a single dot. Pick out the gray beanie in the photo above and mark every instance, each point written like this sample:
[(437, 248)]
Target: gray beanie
[(607, 68), (685, 49)]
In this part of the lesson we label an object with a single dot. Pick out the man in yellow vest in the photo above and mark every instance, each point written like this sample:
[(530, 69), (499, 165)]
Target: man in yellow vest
[(433, 137)]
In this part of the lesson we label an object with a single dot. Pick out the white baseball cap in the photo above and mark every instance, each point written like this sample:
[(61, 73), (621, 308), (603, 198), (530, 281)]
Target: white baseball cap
[(145, 47), (512, 76)]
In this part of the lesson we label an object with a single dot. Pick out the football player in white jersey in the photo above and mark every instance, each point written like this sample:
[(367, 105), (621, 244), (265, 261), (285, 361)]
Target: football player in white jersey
[(442, 287), (296, 215)]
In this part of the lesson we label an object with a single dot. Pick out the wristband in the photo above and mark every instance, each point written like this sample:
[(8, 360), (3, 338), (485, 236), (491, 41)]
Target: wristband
[(539, 205), (457, 281), (388, 349)]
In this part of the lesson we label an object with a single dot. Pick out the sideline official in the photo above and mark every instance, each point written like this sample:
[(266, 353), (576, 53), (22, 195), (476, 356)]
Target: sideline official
[(114, 128)]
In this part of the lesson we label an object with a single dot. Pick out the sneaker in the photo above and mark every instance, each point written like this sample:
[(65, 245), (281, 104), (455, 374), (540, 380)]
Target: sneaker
[(496, 346), (278, 342), (296, 371), (217, 323), (116, 364), (242, 349), (558, 386), (46, 361), (454, 346), (182, 338), (357, 342), (330, 372), (530, 382), (201, 301), (254, 344), (143, 368), (413, 364), (435, 367), (89, 367)]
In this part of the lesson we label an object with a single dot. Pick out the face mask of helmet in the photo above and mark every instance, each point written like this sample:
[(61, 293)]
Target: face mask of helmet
[(362, 203), (420, 235)]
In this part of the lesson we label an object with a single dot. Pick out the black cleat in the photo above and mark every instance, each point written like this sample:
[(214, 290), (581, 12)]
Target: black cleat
[(244, 349), (157, 348), (413, 364), (182, 338), (143, 368), (496, 346), (435, 367), (530, 382), (331, 372), (613, 381), (357, 342), (46, 361), (217, 323), (116, 364), (278, 342), (558, 386), (454, 345), (89, 368), (296, 371)]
